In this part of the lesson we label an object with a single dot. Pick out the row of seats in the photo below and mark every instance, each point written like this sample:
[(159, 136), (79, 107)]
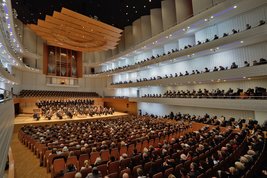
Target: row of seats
[(46, 93), (234, 31), (114, 167), (257, 93), (194, 72)]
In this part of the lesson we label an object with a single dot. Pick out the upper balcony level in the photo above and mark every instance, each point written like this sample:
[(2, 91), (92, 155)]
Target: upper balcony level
[(214, 15), (254, 35)]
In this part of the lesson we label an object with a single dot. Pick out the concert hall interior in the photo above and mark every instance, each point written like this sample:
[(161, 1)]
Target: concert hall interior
[(133, 89)]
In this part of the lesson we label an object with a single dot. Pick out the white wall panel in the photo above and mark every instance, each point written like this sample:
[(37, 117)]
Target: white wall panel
[(121, 46), (168, 13), (128, 37), (199, 6), (137, 31), (6, 131), (146, 27), (156, 21), (183, 10)]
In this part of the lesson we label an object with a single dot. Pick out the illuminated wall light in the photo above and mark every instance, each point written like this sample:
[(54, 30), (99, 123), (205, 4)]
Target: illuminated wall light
[(211, 49), (211, 17), (217, 48), (235, 7), (249, 78), (188, 27), (205, 20), (244, 77), (184, 29), (241, 41)]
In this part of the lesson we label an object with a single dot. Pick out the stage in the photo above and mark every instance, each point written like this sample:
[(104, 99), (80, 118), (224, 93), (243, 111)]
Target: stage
[(24, 119)]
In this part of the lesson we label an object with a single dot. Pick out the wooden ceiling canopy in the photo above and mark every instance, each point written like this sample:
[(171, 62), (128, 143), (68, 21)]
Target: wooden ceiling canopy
[(71, 30)]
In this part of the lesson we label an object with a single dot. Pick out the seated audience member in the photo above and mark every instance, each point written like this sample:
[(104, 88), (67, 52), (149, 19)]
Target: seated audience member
[(262, 22), (215, 37), (262, 61), (234, 31), (248, 26), (183, 173), (234, 66), (140, 173), (240, 167), (215, 69), (221, 68), (254, 63), (78, 175), (225, 34), (70, 168), (125, 175), (233, 172), (98, 161), (171, 176), (94, 174), (193, 173), (246, 64), (86, 165)]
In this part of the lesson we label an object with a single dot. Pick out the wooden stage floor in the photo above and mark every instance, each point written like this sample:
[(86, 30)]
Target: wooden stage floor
[(23, 119)]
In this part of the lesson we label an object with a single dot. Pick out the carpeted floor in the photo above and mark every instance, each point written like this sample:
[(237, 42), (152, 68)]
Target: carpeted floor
[(26, 163)]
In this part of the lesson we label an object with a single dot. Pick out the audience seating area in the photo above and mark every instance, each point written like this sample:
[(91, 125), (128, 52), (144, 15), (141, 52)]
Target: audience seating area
[(125, 67), (45, 93), (145, 146), (257, 93), (194, 72)]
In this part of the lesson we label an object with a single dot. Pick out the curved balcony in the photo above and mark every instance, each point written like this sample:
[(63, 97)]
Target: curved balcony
[(222, 11), (234, 104), (243, 73), (244, 38)]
